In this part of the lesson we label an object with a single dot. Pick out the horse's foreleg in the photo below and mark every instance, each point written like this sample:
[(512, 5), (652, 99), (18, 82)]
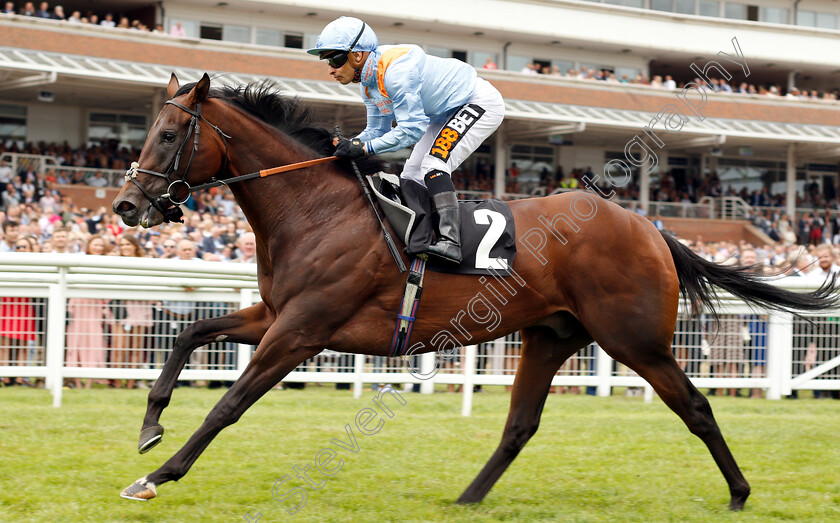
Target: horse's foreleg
[(244, 326), (268, 366), (543, 352)]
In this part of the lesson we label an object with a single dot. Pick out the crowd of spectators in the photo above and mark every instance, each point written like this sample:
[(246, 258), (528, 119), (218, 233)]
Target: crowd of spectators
[(533, 68), (669, 83), (76, 17)]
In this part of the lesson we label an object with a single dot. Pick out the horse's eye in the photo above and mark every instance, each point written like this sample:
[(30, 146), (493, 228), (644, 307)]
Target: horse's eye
[(168, 136)]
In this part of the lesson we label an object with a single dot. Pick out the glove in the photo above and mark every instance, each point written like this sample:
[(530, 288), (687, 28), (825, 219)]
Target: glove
[(350, 148)]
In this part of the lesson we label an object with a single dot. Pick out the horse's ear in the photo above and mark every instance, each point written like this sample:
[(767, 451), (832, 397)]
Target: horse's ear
[(173, 86), (199, 92)]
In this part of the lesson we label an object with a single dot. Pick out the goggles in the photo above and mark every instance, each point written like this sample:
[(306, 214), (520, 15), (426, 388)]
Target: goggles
[(338, 59)]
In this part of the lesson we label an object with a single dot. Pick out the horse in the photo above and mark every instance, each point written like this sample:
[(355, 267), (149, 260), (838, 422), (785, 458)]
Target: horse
[(587, 270)]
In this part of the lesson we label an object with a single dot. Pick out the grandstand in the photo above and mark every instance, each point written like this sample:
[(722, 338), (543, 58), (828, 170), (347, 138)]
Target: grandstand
[(609, 70), (702, 112)]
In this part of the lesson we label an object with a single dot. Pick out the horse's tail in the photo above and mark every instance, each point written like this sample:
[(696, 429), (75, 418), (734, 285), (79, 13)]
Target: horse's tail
[(698, 278)]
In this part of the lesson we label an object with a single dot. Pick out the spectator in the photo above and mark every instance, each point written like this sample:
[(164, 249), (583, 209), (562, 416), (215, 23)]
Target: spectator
[(75, 18), (669, 83), (86, 327), (132, 321), (124, 23), (169, 249), (98, 180), (17, 325), (58, 13), (28, 9), (9, 9), (60, 241), (11, 233), (43, 11), (5, 175), (757, 332), (178, 30), (530, 68), (490, 63), (108, 21), (247, 245)]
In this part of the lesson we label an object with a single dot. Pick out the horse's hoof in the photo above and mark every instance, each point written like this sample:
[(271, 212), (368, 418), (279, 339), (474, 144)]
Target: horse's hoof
[(140, 490), (739, 499), (149, 437)]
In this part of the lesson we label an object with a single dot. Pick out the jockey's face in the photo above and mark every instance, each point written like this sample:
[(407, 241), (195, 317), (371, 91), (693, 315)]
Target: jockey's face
[(344, 74)]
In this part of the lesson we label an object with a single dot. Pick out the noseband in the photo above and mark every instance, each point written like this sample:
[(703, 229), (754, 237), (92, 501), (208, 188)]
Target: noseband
[(178, 191)]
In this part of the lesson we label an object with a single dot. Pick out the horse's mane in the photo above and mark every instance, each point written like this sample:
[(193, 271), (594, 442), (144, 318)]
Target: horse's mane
[(287, 114)]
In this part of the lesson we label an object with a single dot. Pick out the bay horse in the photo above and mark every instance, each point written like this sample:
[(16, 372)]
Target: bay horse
[(327, 278)]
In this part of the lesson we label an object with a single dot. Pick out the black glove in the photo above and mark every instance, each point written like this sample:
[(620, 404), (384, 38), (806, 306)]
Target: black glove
[(350, 148)]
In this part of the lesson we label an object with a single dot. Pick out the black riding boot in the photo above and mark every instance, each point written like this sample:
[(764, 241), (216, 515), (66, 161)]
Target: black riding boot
[(447, 217)]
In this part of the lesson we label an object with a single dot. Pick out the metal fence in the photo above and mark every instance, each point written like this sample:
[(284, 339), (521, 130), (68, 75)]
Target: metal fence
[(106, 317)]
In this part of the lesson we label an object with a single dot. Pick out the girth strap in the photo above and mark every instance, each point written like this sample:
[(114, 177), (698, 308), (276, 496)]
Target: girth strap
[(408, 307)]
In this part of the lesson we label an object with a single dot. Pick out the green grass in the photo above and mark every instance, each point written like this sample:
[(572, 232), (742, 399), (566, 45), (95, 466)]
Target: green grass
[(593, 459)]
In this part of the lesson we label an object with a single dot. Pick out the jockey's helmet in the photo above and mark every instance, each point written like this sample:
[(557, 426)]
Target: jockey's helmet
[(345, 34)]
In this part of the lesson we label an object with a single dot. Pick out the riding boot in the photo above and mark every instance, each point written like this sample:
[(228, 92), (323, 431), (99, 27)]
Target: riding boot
[(447, 217)]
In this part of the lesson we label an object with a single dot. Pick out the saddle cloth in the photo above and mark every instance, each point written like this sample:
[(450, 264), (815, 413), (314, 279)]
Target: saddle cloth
[(487, 229)]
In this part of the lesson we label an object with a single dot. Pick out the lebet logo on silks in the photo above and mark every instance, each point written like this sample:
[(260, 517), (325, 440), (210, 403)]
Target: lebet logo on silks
[(454, 130)]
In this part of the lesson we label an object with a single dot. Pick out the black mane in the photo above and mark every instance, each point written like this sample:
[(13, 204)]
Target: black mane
[(286, 114)]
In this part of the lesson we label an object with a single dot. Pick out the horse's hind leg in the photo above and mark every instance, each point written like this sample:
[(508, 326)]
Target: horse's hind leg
[(543, 352), (244, 326), (661, 370)]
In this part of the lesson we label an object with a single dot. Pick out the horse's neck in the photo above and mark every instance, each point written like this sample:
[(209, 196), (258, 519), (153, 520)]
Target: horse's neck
[(297, 206)]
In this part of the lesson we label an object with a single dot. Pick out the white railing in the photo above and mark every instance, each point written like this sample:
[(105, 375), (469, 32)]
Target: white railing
[(733, 208), (57, 310), (44, 164)]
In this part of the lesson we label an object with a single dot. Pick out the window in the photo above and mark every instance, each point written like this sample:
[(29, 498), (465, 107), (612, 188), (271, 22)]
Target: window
[(774, 15), (442, 52), (479, 58), (684, 7), (293, 40), (735, 11), (826, 21), (709, 8), (210, 31), (190, 27), (516, 63), (662, 5), (563, 66), (531, 161), (806, 18), (12, 124), (270, 37), (236, 33), (126, 129), (627, 74)]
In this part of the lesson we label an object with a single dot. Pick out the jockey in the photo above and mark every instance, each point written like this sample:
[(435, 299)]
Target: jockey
[(440, 106)]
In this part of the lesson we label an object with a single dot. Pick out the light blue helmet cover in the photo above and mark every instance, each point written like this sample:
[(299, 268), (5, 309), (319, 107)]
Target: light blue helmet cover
[(340, 34)]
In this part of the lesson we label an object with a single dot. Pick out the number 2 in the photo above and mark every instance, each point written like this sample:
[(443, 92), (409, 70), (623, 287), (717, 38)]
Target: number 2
[(497, 227)]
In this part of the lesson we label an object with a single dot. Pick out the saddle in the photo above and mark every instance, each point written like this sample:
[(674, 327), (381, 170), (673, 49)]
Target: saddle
[(488, 233)]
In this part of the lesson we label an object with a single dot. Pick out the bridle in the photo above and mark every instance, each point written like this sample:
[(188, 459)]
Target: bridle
[(179, 191)]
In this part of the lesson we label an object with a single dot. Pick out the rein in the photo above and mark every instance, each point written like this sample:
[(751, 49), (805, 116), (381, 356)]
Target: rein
[(179, 191)]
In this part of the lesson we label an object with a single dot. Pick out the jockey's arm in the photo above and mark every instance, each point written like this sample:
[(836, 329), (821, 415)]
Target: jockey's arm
[(377, 123), (408, 111)]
